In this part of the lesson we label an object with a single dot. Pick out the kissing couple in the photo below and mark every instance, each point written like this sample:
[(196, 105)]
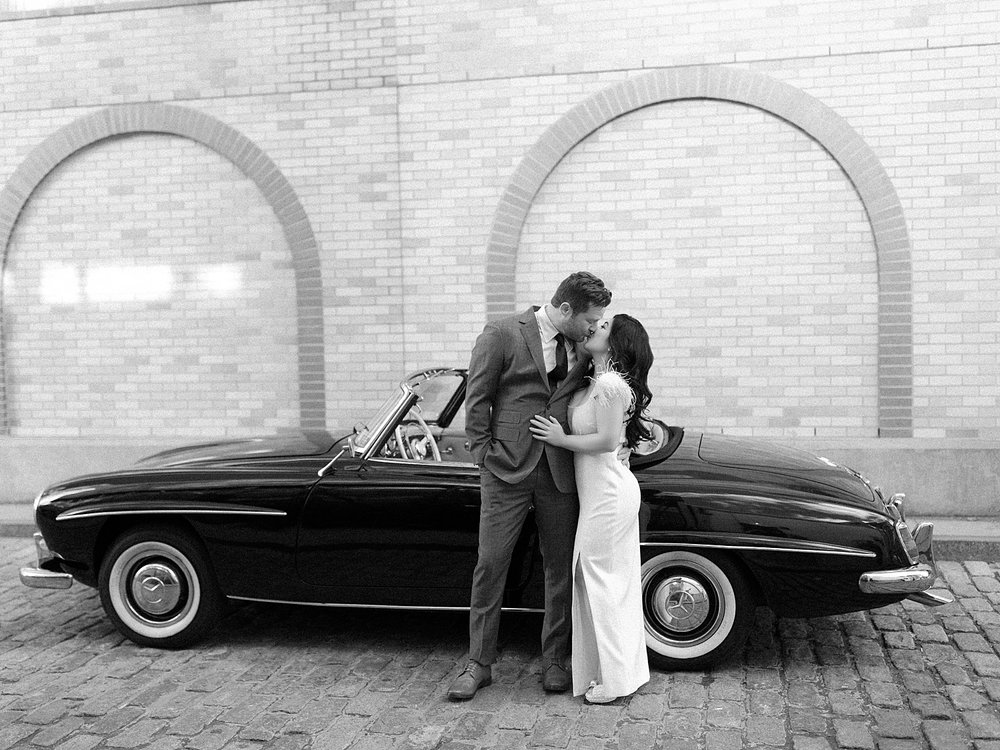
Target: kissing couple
[(554, 402)]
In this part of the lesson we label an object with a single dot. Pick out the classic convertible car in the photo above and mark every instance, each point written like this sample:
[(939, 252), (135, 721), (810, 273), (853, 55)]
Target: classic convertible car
[(387, 516)]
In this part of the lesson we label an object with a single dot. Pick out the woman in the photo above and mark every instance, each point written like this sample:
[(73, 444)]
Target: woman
[(609, 648)]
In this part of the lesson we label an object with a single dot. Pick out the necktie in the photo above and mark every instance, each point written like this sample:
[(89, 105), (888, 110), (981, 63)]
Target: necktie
[(562, 363)]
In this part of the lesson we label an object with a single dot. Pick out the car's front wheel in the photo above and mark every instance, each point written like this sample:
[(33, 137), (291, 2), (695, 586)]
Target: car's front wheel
[(697, 611), (158, 589)]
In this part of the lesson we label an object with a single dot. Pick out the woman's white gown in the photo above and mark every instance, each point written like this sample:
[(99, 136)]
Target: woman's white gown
[(609, 645)]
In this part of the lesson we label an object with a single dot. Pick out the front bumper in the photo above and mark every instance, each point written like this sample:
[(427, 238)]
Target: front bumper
[(42, 577), (914, 580)]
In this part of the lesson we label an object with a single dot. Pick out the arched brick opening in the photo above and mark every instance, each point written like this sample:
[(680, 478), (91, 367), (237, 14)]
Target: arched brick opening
[(251, 160), (826, 127)]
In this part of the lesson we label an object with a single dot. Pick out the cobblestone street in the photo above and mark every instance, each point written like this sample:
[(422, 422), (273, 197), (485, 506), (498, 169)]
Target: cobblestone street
[(905, 676)]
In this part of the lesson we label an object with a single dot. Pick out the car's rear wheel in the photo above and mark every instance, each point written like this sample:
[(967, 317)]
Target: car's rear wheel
[(158, 589), (697, 611)]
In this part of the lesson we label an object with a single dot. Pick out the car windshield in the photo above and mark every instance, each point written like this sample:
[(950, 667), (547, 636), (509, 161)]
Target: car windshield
[(436, 392), (364, 433)]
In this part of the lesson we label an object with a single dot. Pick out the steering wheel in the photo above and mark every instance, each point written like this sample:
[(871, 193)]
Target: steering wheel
[(406, 448)]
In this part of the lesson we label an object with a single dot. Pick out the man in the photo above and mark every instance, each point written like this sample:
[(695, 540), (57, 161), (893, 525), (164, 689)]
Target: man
[(522, 366)]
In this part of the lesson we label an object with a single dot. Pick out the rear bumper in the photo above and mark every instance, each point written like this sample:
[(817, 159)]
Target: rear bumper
[(912, 581), (40, 576)]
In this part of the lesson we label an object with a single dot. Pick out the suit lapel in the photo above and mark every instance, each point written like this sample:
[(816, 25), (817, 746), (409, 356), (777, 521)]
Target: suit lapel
[(572, 380), (529, 329)]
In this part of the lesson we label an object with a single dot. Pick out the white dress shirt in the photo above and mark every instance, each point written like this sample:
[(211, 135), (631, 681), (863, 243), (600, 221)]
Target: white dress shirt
[(548, 333)]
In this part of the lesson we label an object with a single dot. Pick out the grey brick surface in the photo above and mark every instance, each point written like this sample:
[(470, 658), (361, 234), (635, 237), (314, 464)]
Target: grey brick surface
[(902, 677)]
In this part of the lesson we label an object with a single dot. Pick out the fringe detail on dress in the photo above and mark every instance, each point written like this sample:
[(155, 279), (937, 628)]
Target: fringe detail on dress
[(611, 387)]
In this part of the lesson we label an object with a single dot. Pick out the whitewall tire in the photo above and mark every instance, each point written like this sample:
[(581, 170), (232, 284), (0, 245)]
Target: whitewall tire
[(157, 587), (697, 610)]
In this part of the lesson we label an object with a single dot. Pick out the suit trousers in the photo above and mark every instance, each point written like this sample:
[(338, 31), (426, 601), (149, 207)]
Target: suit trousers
[(502, 515)]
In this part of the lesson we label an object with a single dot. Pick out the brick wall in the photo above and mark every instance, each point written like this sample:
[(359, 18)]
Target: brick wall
[(141, 301), (398, 125), (764, 320)]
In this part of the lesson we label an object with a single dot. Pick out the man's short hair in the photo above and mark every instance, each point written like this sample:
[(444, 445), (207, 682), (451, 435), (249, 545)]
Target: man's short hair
[(582, 290)]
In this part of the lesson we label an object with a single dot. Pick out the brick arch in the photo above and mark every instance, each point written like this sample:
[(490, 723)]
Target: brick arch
[(251, 160), (826, 127)]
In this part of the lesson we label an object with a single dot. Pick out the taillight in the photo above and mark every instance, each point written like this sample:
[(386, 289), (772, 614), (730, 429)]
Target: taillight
[(906, 538), (897, 501)]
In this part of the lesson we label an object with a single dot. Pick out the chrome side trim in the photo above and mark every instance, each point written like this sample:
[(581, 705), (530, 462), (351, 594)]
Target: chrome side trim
[(373, 606), (70, 515), (749, 547), (420, 462)]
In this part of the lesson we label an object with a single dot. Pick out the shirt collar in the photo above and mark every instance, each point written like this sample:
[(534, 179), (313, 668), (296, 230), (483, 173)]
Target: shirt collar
[(545, 327)]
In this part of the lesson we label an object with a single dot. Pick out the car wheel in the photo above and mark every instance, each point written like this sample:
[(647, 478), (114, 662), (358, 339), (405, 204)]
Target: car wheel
[(158, 589), (697, 611)]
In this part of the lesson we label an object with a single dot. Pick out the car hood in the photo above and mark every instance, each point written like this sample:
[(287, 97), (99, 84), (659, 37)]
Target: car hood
[(306, 443), (756, 455)]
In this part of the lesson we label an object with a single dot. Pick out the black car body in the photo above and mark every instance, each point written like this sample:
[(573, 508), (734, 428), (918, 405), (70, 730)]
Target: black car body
[(387, 516)]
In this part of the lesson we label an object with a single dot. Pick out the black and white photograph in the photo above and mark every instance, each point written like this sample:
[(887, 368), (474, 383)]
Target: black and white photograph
[(499, 375)]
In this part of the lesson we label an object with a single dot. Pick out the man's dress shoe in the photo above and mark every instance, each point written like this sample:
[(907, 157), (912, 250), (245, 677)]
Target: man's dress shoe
[(556, 678), (473, 677)]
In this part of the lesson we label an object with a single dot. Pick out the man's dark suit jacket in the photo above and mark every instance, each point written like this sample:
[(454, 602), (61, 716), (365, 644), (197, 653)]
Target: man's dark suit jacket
[(508, 386)]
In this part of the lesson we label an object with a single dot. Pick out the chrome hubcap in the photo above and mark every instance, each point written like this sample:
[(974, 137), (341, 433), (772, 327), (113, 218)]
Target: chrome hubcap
[(681, 603), (156, 588)]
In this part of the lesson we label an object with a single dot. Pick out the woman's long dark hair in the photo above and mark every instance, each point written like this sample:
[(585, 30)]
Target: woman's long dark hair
[(631, 356)]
